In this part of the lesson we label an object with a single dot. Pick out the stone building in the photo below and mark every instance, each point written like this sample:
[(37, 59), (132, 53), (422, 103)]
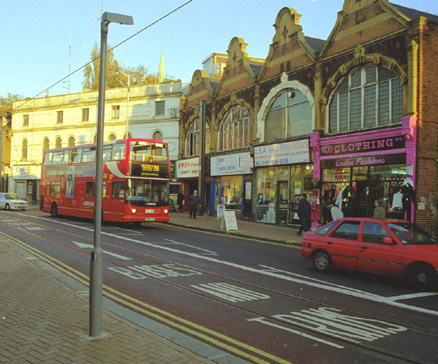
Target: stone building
[(346, 120), (59, 121)]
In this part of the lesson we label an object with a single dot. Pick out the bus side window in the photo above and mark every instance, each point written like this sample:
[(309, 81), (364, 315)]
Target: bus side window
[(107, 152), (48, 158), (118, 190), (90, 190), (118, 152), (76, 155)]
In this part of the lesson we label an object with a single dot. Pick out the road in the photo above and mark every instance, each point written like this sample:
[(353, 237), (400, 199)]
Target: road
[(259, 301)]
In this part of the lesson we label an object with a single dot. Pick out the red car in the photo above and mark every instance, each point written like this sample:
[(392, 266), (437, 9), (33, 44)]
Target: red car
[(389, 247)]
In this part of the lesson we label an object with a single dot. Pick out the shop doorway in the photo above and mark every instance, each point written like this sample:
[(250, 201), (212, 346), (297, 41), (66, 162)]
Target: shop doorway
[(282, 202)]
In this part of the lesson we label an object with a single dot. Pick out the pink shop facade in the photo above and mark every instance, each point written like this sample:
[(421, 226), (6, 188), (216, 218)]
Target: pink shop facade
[(354, 170)]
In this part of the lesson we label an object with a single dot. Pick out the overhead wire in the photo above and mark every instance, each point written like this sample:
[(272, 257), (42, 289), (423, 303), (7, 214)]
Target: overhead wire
[(109, 50)]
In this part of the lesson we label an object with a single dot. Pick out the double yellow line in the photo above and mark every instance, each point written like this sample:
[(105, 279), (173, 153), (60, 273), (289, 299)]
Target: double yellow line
[(200, 332)]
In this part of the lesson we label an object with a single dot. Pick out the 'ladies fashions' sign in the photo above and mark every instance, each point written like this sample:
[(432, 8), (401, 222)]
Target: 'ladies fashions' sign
[(362, 146)]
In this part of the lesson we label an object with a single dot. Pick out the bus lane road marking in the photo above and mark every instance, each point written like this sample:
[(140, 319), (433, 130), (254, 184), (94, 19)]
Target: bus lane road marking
[(334, 323), (22, 224), (367, 296)]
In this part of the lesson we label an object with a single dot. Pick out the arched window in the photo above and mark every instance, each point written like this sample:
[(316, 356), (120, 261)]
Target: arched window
[(24, 150), (235, 131), (58, 142), (127, 135), (193, 139), (94, 141), (46, 144), (369, 96), (290, 115), (71, 141), (111, 137), (157, 135)]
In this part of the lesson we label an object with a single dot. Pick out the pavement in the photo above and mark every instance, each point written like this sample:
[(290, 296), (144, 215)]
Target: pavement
[(44, 320)]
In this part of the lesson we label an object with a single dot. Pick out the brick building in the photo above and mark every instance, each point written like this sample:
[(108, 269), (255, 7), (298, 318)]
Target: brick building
[(347, 120)]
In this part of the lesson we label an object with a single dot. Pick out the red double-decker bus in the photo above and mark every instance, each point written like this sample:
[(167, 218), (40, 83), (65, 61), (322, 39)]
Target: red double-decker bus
[(136, 175)]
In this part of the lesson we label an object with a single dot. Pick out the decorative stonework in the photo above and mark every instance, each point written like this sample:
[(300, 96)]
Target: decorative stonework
[(284, 85), (286, 26)]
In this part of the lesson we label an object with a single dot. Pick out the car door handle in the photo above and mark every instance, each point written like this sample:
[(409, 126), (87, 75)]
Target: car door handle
[(364, 248), (329, 243)]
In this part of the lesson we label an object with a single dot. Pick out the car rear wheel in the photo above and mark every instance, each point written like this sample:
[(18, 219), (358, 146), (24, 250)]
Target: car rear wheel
[(7, 207), (322, 261), (54, 210), (422, 277)]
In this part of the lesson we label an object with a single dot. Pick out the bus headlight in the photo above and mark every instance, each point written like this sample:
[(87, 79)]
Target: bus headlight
[(133, 211), (166, 211)]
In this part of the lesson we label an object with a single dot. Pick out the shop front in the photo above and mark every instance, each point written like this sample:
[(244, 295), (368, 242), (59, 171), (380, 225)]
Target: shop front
[(231, 183), (283, 172), (25, 182), (357, 169), (187, 174)]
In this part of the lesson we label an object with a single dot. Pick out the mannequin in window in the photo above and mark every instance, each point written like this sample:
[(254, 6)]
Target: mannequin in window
[(408, 197)]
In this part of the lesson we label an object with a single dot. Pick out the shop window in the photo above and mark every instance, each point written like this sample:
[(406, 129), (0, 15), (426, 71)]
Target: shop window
[(192, 141), (290, 115), (368, 97), (235, 131)]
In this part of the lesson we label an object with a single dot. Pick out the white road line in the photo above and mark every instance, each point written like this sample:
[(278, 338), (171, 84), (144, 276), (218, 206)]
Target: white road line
[(90, 246), (413, 295), (323, 286)]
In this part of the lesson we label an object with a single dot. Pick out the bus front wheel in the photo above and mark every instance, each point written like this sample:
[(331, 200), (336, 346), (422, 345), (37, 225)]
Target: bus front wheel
[(54, 210)]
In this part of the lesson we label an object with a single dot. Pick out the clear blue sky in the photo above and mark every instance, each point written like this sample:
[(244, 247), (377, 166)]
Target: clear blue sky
[(36, 34)]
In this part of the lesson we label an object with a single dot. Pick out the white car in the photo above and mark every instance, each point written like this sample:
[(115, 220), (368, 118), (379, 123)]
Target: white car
[(10, 201)]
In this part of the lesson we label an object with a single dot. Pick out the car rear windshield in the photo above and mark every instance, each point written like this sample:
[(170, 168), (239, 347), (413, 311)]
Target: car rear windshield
[(411, 234)]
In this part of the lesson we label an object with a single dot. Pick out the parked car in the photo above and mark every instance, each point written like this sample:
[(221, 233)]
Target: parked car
[(10, 201), (388, 247)]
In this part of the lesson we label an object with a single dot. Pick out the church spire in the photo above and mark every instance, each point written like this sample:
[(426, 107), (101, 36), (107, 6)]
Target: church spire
[(161, 68)]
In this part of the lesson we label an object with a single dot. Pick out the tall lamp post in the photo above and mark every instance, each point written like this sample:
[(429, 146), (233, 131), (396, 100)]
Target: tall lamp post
[(96, 266)]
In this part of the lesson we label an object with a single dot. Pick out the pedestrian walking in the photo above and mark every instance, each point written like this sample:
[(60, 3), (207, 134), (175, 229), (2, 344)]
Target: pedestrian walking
[(193, 203), (180, 201), (304, 210), (379, 211)]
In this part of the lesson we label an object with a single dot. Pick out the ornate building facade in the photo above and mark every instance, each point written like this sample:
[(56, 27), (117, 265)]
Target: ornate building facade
[(346, 120)]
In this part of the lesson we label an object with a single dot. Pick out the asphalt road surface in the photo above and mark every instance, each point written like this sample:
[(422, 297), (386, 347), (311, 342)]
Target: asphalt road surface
[(260, 302)]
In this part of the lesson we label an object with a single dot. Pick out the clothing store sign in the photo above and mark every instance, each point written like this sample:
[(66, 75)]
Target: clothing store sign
[(229, 164), (364, 161), (282, 153), (187, 168), (363, 146)]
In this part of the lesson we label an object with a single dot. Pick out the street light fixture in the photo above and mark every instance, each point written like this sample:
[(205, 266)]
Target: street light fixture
[(96, 266)]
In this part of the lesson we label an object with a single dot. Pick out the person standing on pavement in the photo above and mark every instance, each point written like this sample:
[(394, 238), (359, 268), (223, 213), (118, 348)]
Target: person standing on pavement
[(179, 201), (379, 211), (304, 210), (193, 203)]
